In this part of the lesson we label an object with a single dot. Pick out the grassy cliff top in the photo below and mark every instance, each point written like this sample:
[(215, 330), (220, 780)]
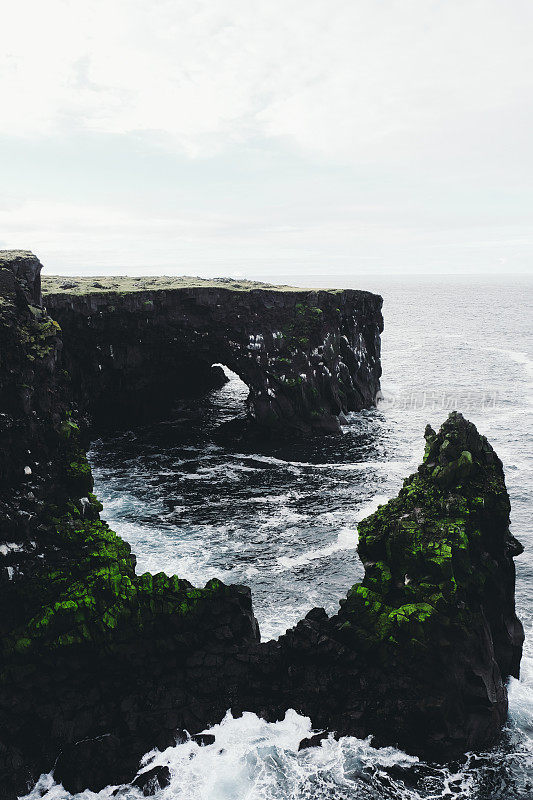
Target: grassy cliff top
[(62, 284)]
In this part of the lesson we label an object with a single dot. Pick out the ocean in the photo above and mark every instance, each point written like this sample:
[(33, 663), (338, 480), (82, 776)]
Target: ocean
[(283, 520)]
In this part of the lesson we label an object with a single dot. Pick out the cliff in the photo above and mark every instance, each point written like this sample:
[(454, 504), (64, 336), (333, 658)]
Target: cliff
[(133, 346), (81, 633), (99, 664)]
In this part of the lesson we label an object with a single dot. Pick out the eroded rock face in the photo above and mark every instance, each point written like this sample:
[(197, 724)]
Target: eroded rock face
[(99, 664), (306, 356)]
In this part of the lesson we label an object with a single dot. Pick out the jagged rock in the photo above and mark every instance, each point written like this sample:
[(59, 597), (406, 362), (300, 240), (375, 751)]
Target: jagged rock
[(152, 780), (420, 651), (99, 664), (313, 741)]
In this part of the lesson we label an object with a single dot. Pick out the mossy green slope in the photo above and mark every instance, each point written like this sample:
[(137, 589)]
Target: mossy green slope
[(93, 594), (85, 589)]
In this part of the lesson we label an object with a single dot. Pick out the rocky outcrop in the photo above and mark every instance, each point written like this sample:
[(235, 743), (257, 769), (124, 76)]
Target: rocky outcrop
[(20, 270), (99, 664), (306, 356), (421, 649)]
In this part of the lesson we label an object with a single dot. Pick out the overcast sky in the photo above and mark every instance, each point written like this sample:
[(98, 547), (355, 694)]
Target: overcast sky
[(268, 137)]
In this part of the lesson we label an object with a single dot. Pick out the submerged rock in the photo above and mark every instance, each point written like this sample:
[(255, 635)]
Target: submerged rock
[(99, 665)]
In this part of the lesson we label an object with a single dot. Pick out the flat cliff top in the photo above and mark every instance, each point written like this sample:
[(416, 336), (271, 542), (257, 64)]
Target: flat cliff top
[(62, 284)]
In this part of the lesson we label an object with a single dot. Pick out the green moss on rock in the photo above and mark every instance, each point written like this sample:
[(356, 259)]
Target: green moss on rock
[(94, 593), (84, 590), (304, 326), (419, 548)]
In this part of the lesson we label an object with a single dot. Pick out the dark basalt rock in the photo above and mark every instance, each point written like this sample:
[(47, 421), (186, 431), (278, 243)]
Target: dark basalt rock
[(420, 651), (25, 268), (152, 780), (313, 741), (306, 356), (203, 739), (103, 757), (99, 665)]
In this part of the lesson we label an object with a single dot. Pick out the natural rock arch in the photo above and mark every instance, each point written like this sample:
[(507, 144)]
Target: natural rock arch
[(306, 356)]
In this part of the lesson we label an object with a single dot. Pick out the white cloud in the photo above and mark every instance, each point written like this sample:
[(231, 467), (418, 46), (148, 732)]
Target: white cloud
[(209, 136), (345, 79)]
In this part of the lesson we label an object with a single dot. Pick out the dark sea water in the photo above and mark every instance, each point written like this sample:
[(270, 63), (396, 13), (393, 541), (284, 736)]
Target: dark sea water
[(283, 519)]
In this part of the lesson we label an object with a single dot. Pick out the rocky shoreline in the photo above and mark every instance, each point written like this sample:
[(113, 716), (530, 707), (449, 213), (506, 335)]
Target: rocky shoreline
[(99, 664)]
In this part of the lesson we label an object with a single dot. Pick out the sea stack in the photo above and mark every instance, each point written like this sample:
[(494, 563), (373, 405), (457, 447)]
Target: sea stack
[(421, 649)]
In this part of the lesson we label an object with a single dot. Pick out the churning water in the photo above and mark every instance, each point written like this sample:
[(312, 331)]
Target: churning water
[(283, 519)]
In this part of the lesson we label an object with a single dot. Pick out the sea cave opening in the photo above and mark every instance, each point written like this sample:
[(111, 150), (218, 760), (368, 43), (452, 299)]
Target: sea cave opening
[(229, 398)]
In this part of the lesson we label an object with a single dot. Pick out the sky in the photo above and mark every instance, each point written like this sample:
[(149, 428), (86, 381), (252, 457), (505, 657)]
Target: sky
[(268, 138)]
